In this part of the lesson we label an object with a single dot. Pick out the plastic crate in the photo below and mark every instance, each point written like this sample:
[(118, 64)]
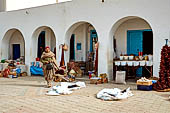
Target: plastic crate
[(144, 87)]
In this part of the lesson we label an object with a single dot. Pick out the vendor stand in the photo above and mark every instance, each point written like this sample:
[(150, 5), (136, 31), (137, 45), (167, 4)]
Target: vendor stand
[(131, 66)]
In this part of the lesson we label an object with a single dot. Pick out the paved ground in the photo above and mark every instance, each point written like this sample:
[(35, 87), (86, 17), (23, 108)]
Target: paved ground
[(27, 95)]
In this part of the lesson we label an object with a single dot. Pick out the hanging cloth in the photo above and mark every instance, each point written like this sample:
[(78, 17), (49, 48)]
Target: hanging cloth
[(62, 63), (96, 58), (60, 53)]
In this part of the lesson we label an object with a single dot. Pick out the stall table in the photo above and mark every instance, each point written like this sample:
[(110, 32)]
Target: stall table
[(133, 66)]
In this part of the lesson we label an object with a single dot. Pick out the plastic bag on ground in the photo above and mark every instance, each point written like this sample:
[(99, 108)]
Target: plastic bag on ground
[(114, 94), (65, 88)]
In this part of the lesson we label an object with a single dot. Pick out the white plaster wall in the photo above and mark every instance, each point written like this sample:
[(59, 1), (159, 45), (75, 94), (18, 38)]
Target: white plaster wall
[(121, 33), (53, 41), (2, 5), (103, 16), (80, 37), (17, 38)]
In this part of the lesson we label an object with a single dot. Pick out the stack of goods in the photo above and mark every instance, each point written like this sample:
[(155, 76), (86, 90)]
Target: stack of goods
[(11, 71), (95, 80), (104, 78), (74, 66), (144, 84), (163, 84), (72, 75), (62, 75)]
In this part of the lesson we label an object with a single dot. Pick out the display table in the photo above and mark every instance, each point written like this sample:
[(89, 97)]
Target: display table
[(20, 66), (133, 66)]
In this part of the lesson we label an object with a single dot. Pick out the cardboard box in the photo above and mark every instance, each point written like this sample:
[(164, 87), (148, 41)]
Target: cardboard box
[(23, 74), (13, 73), (144, 87), (146, 83), (95, 80), (1, 75)]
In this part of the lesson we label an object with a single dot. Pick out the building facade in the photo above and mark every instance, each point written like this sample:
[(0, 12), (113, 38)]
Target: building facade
[(83, 19)]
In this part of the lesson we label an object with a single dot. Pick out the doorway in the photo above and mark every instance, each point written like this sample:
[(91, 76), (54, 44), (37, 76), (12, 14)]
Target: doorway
[(16, 51), (93, 40), (140, 41), (72, 47), (41, 43), (147, 42)]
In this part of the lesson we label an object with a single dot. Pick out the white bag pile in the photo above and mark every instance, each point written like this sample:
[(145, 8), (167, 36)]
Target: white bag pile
[(65, 88), (114, 94)]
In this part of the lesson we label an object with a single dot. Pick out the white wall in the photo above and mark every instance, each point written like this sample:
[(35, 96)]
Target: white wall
[(2, 5), (53, 41), (80, 37), (121, 33), (17, 38), (103, 16)]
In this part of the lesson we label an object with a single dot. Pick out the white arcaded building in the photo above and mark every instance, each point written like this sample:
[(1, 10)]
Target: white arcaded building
[(82, 21)]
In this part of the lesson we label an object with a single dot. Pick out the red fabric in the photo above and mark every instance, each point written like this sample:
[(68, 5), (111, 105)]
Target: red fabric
[(47, 47), (6, 73), (62, 58), (96, 61)]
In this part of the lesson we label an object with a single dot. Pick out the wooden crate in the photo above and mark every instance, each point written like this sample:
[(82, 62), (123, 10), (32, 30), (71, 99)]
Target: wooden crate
[(1, 75), (147, 83), (95, 81)]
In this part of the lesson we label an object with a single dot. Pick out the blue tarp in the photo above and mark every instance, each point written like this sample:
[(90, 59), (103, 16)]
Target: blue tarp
[(36, 70), (18, 71)]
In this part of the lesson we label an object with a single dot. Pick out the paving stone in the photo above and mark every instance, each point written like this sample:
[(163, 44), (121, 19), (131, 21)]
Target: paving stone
[(27, 95)]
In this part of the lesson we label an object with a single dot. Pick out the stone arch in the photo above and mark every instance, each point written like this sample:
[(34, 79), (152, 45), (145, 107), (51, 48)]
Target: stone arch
[(12, 37), (119, 32), (51, 42), (82, 31)]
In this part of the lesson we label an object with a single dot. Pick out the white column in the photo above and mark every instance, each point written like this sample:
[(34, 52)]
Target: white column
[(159, 37), (105, 62), (84, 41), (28, 54), (48, 37), (2, 5)]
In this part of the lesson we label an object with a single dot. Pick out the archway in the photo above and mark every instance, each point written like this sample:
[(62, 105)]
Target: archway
[(42, 37), (131, 35), (13, 45), (81, 38)]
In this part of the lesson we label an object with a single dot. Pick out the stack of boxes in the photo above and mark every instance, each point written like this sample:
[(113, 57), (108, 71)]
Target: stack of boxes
[(144, 84)]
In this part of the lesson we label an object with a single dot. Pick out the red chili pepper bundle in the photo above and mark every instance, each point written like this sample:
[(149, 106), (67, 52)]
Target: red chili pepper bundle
[(164, 73)]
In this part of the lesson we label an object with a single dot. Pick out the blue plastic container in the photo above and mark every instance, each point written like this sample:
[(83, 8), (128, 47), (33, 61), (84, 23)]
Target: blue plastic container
[(144, 87)]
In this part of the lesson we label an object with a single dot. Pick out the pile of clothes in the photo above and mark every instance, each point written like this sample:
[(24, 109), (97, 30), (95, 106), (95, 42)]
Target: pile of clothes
[(114, 94), (65, 88), (75, 66), (11, 71)]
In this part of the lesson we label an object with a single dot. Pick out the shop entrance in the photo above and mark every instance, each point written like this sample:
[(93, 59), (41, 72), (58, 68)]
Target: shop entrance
[(148, 42), (81, 38), (72, 48), (41, 43), (140, 41), (131, 36), (16, 51)]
